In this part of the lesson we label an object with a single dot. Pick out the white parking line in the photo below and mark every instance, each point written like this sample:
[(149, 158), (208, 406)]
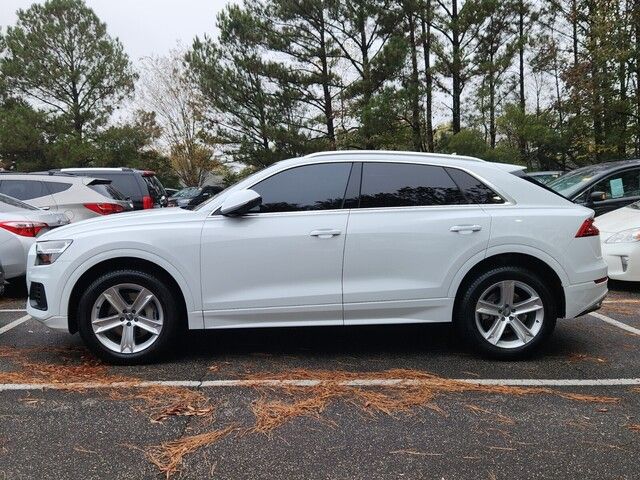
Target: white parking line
[(364, 382), (14, 324), (615, 323), (12, 310)]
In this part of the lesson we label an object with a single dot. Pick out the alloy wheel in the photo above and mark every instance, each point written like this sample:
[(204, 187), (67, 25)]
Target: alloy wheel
[(127, 318), (509, 314)]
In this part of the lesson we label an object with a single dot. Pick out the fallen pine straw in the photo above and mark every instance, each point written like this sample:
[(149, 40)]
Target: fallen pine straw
[(634, 427), (583, 357), (168, 456), (416, 389), (163, 401)]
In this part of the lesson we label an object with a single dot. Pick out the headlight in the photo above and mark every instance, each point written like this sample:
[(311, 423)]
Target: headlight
[(625, 236), (48, 251)]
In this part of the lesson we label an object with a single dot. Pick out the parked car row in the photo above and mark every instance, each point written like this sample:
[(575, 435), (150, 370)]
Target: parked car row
[(34, 203)]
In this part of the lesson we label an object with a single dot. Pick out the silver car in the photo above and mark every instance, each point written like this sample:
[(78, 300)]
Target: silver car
[(78, 198), (20, 225)]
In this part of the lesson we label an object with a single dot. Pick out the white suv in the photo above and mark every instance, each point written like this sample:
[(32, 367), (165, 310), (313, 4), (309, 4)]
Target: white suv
[(78, 198), (337, 238)]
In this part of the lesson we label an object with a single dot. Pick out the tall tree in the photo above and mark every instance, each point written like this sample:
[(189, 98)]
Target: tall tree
[(367, 34), (167, 90), (495, 51), (256, 121), (459, 25), (299, 29), (60, 55)]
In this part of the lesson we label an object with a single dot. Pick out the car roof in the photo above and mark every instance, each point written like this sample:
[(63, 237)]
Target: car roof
[(443, 159), (607, 167), (46, 177)]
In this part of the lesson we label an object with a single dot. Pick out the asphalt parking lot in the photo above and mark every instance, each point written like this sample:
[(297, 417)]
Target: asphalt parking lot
[(362, 403)]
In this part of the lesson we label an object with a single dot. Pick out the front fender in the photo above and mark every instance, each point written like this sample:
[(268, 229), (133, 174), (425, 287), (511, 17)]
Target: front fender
[(89, 259)]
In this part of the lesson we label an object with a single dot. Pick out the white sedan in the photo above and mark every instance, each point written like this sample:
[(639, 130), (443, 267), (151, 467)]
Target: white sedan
[(620, 236), (20, 225), (334, 238)]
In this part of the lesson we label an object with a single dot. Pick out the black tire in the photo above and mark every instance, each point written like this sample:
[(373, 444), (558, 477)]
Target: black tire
[(158, 287), (465, 318)]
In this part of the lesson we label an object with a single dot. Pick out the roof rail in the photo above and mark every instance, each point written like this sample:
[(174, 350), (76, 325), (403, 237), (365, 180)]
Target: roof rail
[(98, 169), (392, 152)]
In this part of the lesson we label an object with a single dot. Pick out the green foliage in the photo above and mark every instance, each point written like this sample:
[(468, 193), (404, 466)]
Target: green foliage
[(60, 55)]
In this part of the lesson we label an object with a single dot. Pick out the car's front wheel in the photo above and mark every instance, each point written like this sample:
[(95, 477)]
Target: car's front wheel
[(507, 312), (128, 317)]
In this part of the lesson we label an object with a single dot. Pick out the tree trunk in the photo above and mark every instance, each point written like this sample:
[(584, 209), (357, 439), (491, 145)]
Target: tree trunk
[(326, 91), (456, 70), (415, 84), (426, 49), (367, 87), (521, 141)]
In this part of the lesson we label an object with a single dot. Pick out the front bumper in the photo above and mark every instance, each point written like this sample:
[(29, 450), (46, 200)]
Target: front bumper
[(49, 276), (623, 260)]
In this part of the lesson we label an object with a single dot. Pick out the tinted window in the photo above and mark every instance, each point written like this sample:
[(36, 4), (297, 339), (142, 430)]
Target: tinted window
[(620, 185), (126, 184), (156, 190), (407, 185), (23, 189), (57, 187), (473, 189), (108, 191), (10, 204), (312, 187)]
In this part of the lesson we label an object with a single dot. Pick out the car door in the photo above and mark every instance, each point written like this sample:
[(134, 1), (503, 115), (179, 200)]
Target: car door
[(33, 192), (619, 189), (282, 263), (411, 233)]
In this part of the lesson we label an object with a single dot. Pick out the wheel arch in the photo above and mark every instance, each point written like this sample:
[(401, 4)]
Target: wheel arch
[(518, 259), (122, 262)]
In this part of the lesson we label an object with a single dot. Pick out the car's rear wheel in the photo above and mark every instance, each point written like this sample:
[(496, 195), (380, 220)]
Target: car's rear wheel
[(507, 312), (128, 317)]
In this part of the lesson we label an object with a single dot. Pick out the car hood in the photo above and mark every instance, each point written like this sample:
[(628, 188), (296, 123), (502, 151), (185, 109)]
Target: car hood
[(618, 220), (140, 219)]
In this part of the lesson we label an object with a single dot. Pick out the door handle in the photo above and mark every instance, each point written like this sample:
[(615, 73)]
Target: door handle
[(325, 233), (465, 229)]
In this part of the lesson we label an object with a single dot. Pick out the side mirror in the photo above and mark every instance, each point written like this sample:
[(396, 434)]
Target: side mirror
[(240, 202), (598, 196)]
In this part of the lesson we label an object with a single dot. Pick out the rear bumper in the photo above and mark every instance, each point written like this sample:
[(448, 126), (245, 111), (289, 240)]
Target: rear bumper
[(583, 298)]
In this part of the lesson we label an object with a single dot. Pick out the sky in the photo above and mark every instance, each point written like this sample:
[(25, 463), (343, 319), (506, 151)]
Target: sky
[(145, 27)]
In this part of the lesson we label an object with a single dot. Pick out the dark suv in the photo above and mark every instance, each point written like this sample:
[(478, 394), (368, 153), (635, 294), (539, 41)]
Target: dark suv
[(142, 187), (603, 187)]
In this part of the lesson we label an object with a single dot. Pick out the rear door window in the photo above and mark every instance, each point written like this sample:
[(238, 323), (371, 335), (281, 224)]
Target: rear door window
[(23, 189), (57, 187), (407, 185), (473, 189)]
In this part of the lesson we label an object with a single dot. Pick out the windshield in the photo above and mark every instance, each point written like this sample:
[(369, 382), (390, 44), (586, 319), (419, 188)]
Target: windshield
[(10, 204), (571, 183)]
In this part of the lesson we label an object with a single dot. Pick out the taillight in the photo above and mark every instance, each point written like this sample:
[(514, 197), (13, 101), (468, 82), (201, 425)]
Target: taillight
[(147, 202), (587, 229), (104, 208), (24, 229)]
